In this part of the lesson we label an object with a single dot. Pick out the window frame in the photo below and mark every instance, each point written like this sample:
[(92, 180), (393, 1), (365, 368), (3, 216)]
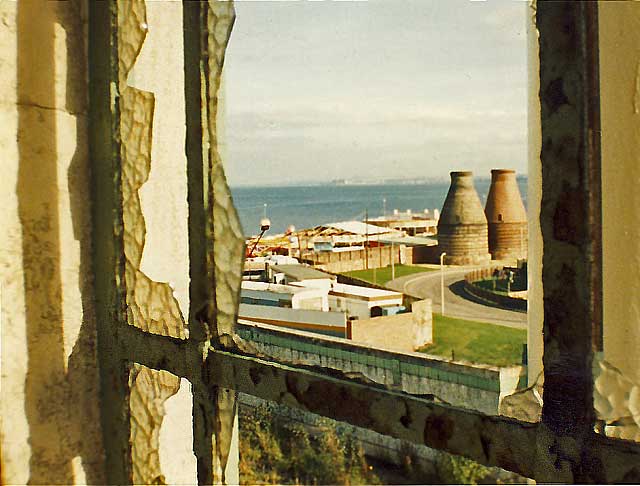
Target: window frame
[(562, 447)]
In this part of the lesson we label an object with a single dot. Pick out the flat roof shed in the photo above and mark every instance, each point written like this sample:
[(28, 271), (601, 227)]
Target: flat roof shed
[(302, 272)]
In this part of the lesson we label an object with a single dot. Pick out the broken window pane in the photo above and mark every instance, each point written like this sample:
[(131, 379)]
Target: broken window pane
[(154, 177)]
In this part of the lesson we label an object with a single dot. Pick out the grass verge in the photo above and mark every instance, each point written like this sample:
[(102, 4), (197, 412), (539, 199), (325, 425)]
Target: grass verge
[(383, 275), (478, 342)]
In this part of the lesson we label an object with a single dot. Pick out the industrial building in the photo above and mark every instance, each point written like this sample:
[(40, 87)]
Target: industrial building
[(286, 296), (410, 223), (462, 227), (308, 304), (303, 275), (364, 302), (506, 217)]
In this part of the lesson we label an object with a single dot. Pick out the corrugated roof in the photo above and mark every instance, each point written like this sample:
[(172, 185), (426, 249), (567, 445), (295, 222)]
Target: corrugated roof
[(409, 240), (301, 272), (360, 228)]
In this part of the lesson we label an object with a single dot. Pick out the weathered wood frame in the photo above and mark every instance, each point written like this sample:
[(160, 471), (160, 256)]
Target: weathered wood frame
[(562, 447)]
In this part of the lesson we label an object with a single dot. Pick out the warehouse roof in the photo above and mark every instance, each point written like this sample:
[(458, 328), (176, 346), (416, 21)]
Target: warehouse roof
[(360, 228)]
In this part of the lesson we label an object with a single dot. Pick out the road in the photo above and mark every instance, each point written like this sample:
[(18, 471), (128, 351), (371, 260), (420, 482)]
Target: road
[(427, 286)]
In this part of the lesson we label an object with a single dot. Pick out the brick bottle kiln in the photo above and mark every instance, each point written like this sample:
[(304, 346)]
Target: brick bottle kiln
[(462, 228), (506, 216)]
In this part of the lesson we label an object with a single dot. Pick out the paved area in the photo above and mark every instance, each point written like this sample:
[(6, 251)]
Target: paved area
[(457, 304)]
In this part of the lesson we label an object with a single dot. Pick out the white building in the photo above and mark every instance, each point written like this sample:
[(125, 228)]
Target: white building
[(287, 296), (358, 301), (301, 276)]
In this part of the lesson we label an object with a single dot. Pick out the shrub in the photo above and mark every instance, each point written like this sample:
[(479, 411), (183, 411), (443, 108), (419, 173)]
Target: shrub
[(460, 470), (274, 450)]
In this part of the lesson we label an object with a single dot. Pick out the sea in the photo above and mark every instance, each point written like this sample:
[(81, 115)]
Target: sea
[(313, 205)]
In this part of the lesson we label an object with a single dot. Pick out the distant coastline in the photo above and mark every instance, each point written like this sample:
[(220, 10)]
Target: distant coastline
[(362, 182), (309, 205)]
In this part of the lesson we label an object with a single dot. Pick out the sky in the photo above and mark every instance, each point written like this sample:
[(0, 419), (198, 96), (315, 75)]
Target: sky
[(377, 89)]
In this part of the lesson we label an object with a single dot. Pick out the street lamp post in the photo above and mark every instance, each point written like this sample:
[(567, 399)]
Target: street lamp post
[(442, 255)]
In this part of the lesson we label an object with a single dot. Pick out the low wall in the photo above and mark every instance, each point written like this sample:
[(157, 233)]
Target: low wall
[(402, 332), (347, 261), (504, 301), (458, 383)]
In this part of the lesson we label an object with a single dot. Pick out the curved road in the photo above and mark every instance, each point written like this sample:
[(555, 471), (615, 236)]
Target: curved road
[(427, 286)]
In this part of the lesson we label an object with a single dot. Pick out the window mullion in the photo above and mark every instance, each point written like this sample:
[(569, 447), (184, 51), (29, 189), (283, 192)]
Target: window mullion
[(215, 249), (107, 238), (571, 230), (567, 198)]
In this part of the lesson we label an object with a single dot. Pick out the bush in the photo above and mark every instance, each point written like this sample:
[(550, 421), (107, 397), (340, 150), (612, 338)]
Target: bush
[(460, 470), (273, 450)]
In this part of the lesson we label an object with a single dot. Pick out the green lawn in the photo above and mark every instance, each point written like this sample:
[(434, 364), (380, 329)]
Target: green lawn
[(477, 342), (383, 275)]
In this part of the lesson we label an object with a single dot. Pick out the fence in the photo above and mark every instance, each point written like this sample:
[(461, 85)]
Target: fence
[(347, 261)]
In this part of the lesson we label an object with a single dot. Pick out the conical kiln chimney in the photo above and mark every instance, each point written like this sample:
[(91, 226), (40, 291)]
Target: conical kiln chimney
[(462, 228), (506, 216)]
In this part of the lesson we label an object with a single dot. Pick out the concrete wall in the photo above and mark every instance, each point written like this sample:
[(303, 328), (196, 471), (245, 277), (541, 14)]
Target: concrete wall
[(401, 332), (617, 375), (347, 261), (620, 105), (50, 426), (458, 383)]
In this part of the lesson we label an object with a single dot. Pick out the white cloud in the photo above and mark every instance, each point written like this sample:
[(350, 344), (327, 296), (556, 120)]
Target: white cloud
[(389, 86)]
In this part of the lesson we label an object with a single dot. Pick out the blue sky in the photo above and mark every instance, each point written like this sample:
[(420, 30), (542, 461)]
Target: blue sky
[(320, 90)]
